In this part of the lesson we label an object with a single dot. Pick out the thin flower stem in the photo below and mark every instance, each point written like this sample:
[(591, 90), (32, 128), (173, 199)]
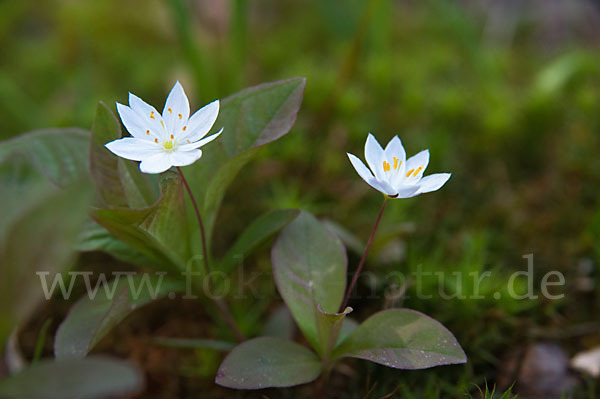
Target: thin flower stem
[(221, 304), (364, 256)]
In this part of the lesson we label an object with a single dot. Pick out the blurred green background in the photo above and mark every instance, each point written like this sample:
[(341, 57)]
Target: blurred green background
[(505, 94)]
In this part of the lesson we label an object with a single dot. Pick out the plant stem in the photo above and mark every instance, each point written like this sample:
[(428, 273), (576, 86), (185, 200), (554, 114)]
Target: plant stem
[(229, 320), (221, 304), (321, 385), (364, 256)]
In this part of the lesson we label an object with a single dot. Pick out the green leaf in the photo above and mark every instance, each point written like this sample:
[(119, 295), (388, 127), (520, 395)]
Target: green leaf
[(348, 326), (195, 343), (104, 164), (120, 182), (91, 378), (251, 118), (329, 326), (260, 114), (139, 190), (131, 233), (309, 265), (255, 234), (268, 362), (59, 154), (40, 239), (218, 185), (403, 339), (96, 238), (90, 319), (159, 232)]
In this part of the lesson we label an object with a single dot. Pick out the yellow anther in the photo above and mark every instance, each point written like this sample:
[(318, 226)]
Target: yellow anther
[(172, 137), (188, 140), (148, 132), (152, 115), (170, 110), (386, 166), (397, 163), (162, 123), (416, 171), (156, 141), (184, 128), (179, 115)]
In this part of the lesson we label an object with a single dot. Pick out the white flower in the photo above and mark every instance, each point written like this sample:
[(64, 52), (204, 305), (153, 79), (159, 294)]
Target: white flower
[(161, 141), (392, 174)]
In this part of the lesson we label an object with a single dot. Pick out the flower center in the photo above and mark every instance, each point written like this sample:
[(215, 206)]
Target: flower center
[(169, 145)]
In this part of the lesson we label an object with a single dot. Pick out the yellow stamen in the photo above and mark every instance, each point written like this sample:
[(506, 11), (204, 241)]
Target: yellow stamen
[(386, 166), (418, 170), (168, 145), (188, 140), (179, 116), (162, 123), (397, 163), (156, 141), (148, 132), (410, 172), (184, 128), (152, 115), (170, 110), (172, 137)]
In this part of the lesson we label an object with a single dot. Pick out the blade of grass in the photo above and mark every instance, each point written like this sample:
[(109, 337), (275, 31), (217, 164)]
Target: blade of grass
[(202, 68), (41, 340), (237, 43)]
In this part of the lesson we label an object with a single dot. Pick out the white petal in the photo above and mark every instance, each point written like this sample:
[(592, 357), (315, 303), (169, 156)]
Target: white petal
[(140, 106), (375, 156), (200, 143), (368, 177), (395, 149), (407, 191), (148, 116), (382, 186), (177, 109), (202, 120), (157, 163), (133, 148), (360, 167), (134, 125), (433, 182), (421, 160), (184, 158)]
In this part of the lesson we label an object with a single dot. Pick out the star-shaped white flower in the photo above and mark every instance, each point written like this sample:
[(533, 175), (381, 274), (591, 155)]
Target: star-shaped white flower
[(392, 174), (162, 141)]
